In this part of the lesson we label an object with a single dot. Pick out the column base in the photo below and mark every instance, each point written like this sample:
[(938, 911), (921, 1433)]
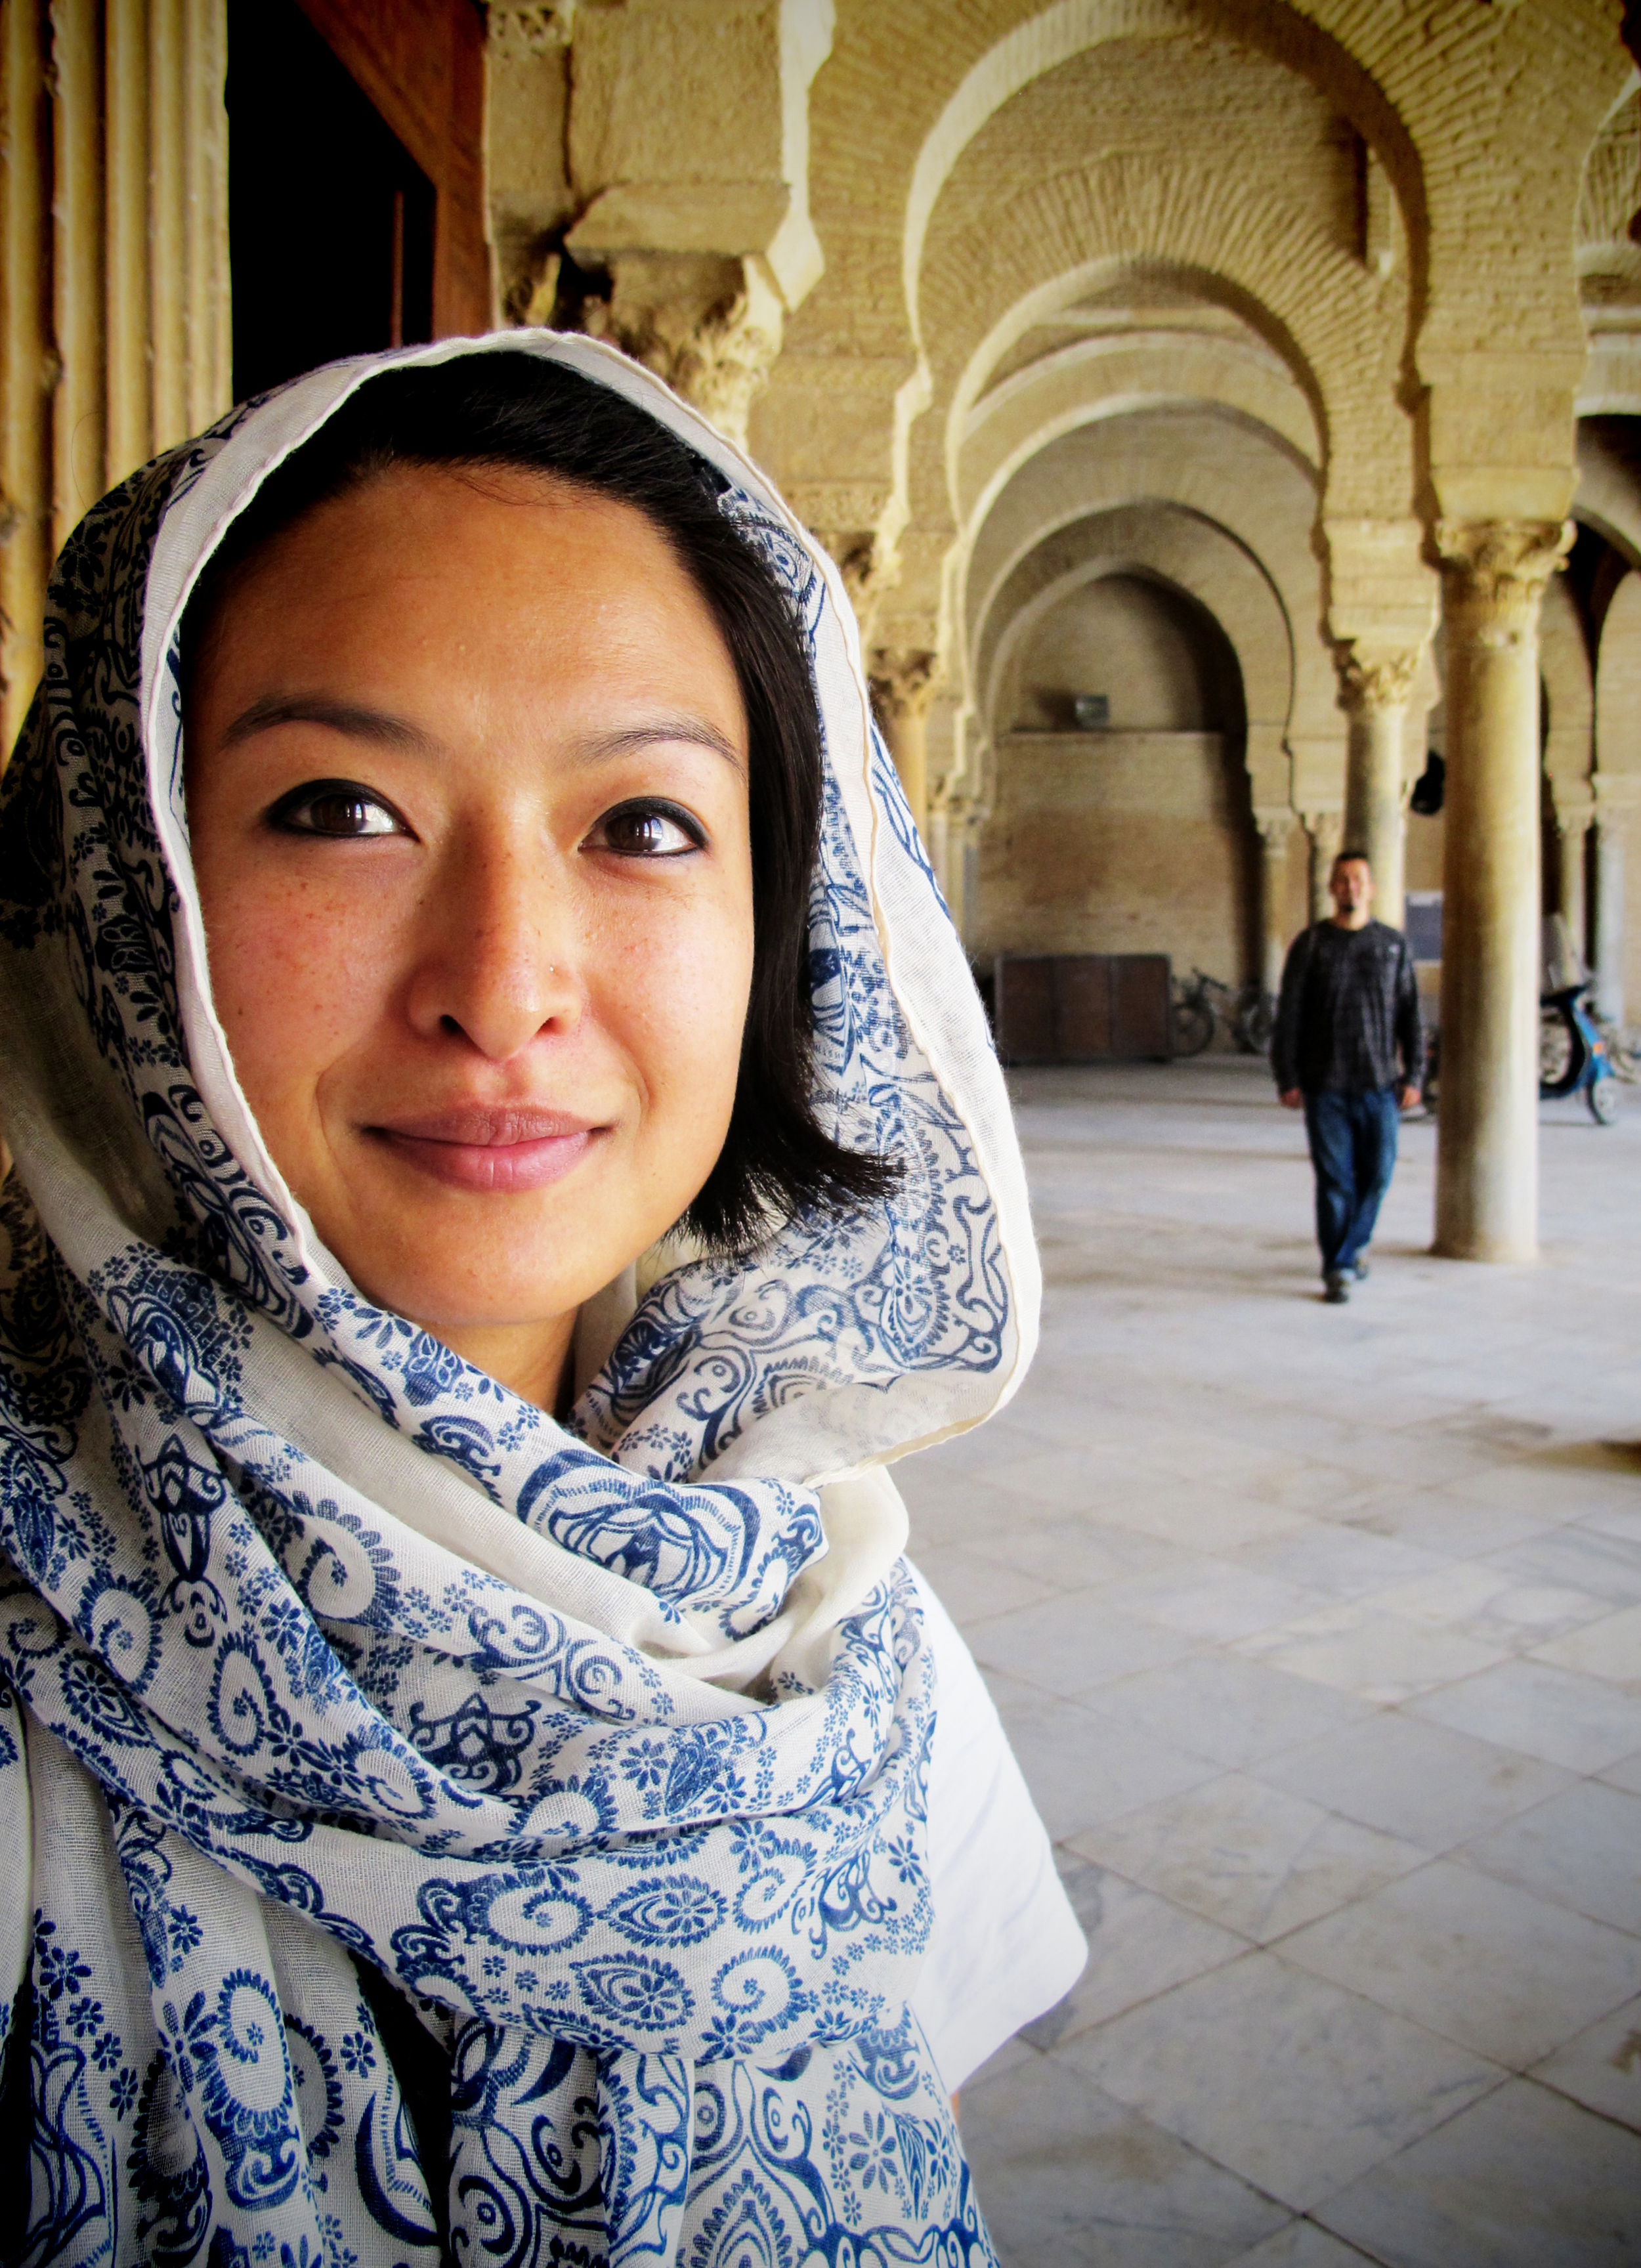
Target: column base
[(1497, 1250)]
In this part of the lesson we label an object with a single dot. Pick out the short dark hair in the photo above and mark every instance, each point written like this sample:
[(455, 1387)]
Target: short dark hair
[(1348, 858), (519, 410)]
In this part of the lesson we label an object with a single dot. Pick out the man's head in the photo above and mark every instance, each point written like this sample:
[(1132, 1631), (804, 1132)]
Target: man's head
[(1351, 886)]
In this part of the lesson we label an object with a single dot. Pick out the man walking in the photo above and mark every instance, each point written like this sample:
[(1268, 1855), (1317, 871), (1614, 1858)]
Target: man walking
[(1349, 1010)]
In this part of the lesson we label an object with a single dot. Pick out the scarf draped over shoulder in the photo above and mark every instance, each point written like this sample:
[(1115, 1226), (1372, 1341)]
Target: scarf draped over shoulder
[(326, 1660)]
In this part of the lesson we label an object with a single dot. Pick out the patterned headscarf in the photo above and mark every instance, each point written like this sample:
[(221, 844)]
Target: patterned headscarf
[(324, 1659)]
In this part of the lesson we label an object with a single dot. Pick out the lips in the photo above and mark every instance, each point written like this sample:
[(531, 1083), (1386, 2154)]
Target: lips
[(498, 1150)]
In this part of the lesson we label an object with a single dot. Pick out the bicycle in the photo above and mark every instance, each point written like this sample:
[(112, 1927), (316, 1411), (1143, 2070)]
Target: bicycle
[(1200, 1008)]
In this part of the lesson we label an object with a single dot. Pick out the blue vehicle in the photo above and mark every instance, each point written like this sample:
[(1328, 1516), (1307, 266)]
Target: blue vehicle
[(1573, 1058)]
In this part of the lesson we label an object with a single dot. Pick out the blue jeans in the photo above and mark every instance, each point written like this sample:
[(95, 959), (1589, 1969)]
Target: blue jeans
[(1353, 1148)]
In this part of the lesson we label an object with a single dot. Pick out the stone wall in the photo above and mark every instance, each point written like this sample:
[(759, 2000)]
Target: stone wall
[(1119, 842)]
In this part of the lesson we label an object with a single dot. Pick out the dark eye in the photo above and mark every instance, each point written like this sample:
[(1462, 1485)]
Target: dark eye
[(649, 829), (340, 810)]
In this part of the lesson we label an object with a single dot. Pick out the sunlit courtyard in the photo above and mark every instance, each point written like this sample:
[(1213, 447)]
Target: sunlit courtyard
[(1318, 1634)]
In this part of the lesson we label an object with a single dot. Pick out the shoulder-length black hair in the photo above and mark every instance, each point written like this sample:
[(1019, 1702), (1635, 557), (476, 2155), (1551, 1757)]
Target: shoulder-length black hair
[(518, 411)]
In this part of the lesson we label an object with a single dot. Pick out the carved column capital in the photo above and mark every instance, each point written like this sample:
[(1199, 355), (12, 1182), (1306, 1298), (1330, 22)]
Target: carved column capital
[(711, 329), (1617, 797), (903, 682), (1373, 679), (1275, 831), (535, 29), (1494, 572)]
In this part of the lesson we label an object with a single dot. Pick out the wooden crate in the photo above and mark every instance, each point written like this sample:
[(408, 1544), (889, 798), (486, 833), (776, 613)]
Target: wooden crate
[(1083, 1007)]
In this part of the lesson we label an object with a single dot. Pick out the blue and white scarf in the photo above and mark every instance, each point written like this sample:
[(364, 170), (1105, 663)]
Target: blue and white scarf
[(606, 1742)]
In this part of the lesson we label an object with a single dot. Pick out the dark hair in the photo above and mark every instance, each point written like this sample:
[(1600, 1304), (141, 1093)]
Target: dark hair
[(519, 411), (1346, 857)]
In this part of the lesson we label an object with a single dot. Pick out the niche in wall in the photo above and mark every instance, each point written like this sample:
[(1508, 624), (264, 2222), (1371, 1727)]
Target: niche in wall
[(1147, 646), (1137, 838)]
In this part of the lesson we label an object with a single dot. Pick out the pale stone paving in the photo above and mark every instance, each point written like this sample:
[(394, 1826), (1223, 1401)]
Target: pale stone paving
[(1318, 1634)]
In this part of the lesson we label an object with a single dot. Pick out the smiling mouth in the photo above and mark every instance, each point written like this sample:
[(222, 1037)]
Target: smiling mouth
[(499, 1151)]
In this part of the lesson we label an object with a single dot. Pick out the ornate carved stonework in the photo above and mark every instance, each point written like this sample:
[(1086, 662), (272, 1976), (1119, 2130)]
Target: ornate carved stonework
[(903, 680), (718, 354), (529, 31), (1375, 681), (1494, 572)]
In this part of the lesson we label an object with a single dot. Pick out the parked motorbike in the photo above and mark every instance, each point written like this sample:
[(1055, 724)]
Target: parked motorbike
[(1573, 1056)]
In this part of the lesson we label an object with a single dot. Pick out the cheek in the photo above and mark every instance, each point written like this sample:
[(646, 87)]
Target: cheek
[(675, 989), (299, 975)]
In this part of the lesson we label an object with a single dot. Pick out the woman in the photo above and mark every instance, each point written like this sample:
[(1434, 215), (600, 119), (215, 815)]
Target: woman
[(506, 1152)]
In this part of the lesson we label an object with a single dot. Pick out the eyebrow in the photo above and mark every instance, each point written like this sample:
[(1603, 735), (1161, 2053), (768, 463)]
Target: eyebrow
[(375, 726), (692, 729), (381, 729)]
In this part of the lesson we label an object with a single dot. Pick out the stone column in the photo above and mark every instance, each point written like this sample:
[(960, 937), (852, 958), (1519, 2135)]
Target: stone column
[(1373, 689), (1326, 830), (947, 835), (1493, 579), (902, 686), (1572, 829), (1275, 829), (1615, 801)]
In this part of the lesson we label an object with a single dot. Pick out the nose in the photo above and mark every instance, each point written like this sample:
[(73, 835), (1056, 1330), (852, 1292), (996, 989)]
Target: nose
[(499, 960)]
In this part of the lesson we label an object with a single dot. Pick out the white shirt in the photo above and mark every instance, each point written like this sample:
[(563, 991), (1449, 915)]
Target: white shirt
[(1005, 1944)]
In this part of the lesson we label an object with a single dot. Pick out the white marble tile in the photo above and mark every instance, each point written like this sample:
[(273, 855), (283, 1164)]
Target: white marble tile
[(1438, 1450), (1484, 1963), (1621, 1520), (1580, 1492), (1381, 1657), (1064, 2174), (1539, 1711), (1291, 2082), (1301, 2244), (1610, 1648), (1445, 1527), (1080, 1770), (1320, 1489), (1080, 1481), (1490, 1604), (1626, 1773), (1576, 1559), (1602, 2068), (1139, 1945), (1213, 1599), (1347, 1562), (1249, 1857), (970, 1588), (1582, 1849), (1198, 1518), (1233, 1711), (1431, 1786), (1070, 1645), (1066, 1555), (1522, 2180)]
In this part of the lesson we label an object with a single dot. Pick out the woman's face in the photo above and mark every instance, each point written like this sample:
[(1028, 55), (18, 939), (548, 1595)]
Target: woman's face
[(467, 785)]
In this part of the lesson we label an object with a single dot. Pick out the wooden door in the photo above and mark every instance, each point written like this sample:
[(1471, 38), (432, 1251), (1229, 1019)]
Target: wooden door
[(355, 219)]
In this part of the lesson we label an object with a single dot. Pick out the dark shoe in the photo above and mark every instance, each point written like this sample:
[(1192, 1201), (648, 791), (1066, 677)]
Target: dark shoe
[(1336, 1288)]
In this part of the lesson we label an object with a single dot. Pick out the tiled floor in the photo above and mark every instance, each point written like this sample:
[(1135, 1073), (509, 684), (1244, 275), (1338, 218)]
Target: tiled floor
[(1318, 1633)]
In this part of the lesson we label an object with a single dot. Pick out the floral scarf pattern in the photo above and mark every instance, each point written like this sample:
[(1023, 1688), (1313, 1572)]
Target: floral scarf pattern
[(326, 1663)]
